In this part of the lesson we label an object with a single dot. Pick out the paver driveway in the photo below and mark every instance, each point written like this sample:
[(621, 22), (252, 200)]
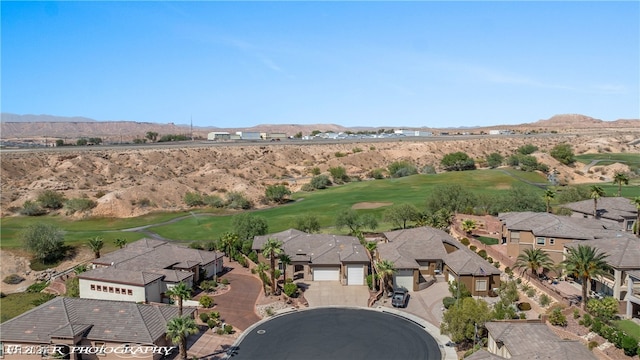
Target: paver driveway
[(237, 306), (332, 293)]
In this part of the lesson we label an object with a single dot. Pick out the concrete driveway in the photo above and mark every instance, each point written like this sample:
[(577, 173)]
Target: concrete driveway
[(332, 293), (426, 304)]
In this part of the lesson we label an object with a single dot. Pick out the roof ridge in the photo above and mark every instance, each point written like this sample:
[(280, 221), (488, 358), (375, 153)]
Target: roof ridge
[(142, 318)]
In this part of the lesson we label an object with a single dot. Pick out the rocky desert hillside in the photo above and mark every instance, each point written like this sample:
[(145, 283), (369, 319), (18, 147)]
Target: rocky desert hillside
[(130, 181)]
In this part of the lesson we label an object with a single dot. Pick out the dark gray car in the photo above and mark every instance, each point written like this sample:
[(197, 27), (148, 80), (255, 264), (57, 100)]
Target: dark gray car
[(400, 298)]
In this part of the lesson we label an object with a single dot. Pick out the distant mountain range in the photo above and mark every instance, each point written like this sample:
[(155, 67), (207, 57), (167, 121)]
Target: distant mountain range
[(25, 126)]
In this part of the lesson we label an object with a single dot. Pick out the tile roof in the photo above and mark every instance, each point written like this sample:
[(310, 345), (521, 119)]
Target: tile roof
[(319, 249), (541, 342), (550, 225), (623, 250), (141, 261), (614, 208), (406, 247), (97, 320)]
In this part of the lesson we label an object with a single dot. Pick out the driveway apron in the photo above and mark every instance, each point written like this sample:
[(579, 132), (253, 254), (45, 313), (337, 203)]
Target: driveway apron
[(237, 307)]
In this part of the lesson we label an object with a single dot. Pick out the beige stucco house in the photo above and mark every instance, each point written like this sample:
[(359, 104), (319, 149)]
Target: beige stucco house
[(90, 329), (421, 253), (143, 270), (549, 232), (618, 210), (321, 257)]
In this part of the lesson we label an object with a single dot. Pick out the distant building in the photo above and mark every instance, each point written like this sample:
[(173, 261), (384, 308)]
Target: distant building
[(275, 136), (412, 132), (500, 132), (249, 135), (218, 135)]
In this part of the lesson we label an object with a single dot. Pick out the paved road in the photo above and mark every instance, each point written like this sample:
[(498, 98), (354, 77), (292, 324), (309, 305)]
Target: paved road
[(338, 333)]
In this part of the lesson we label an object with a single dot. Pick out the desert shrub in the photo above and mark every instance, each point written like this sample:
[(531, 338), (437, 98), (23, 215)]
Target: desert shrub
[(37, 287), (339, 154), (208, 285), (307, 187), (211, 323), (545, 300), (13, 279), (339, 174), (315, 171), (144, 202), (518, 281), (369, 280), (457, 161), (629, 345), (78, 205), (592, 344), (73, 287), (483, 254), (204, 317), (448, 302), (376, 174), (2, 295), (428, 170), (42, 299), (525, 287), (213, 201), (30, 208), (473, 247), (253, 256), (196, 245), (576, 314), (557, 318), (401, 169), (356, 150), (465, 241), (320, 182), (51, 199), (489, 259), (193, 199), (497, 265), (605, 309), (237, 200), (228, 329), (508, 271), (586, 320), (524, 306), (531, 292), (290, 289), (527, 149), (563, 153), (220, 331), (206, 301), (225, 281)]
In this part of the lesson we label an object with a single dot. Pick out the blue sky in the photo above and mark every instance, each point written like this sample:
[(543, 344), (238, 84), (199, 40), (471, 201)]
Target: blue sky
[(239, 64)]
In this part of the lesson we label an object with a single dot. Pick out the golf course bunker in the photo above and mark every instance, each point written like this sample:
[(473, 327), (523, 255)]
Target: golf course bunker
[(370, 205), (336, 334)]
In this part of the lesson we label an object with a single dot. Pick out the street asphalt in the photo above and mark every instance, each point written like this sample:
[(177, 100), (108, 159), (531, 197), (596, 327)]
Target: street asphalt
[(335, 334)]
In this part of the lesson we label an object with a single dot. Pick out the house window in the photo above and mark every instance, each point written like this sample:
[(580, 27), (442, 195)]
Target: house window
[(99, 288), (129, 292), (93, 287), (540, 241), (117, 290), (481, 285), (630, 224), (515, 236), (124, 291), (110, 289), (552, 241)]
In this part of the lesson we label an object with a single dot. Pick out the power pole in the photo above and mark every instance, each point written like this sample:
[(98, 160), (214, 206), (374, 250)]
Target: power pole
[(191, 128)]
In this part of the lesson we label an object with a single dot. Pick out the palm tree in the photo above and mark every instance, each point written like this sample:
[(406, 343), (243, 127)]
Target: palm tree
[(548, 196), (96, 244), (533, 259), (595, 192), (179, 292), (468, 226), (120, 242), (178, 330), (228, 243), (284, 260), (585, 263), (385, 270), (272, 248), (636, 202), (261, 268), (620, 179), (371, 247)]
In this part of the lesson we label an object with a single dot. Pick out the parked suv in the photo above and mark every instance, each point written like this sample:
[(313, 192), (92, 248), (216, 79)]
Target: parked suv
[(400, 298)]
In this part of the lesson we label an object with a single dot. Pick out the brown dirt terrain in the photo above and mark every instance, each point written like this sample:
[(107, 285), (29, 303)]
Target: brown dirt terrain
[(130, 181)]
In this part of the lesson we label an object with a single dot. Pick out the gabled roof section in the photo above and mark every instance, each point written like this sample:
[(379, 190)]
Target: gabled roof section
[(120, 276), (623, 250), (97, 320), (541, 342), (614, 208), (550, 225), (466, 262), (405, 247), (319, 249)]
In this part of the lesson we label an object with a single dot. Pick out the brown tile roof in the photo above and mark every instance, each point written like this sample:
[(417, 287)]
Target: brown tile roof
[(614, 208), (550, 225), (466, 262), (623, 250), (541, 342), (140, 261), (97, 320), (319, 249)]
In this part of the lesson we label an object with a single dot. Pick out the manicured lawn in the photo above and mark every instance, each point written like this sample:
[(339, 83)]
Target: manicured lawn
[(611, 158), (487, 240), (629, 191), (13, 305), (632, 329)]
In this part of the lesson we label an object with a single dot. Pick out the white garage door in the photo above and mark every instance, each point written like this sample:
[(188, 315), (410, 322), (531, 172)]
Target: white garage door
[(326, 274), (403, 279), (355, 275), (451, 277)]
